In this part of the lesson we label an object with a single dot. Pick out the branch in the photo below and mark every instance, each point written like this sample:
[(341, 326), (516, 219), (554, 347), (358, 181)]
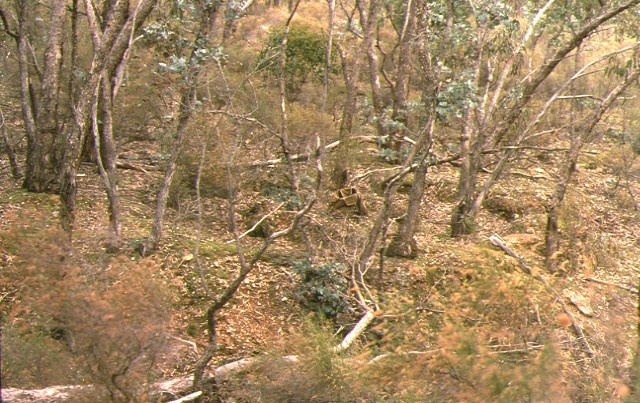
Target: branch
[(188, 398), (595, 280), (579, 96), (499, 242), (3, 17), (293, 158), (362, 324), (256, 224)]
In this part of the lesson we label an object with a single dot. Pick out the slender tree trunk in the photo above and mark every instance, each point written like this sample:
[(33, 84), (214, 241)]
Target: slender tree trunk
[(368, 21), (568, 166), (403, 243), (403, 75), (461, 221), (327, 62), (106, 154), (282, 85), (185, 112), (16, 172), (110, 46), (350, 72), (184, 116)]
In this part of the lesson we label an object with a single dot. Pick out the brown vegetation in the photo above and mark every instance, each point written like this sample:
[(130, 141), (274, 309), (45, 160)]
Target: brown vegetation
[(222, 218)]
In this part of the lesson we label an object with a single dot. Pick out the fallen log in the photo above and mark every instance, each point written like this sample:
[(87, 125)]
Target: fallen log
[(294, 158), (172, 387)]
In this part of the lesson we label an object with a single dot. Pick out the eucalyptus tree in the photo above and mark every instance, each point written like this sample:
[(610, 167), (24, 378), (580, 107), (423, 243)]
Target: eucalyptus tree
[(498, 89), (581, 133), (40, 65), (432, 43), (186, 34), (394, 65), (63, 95)]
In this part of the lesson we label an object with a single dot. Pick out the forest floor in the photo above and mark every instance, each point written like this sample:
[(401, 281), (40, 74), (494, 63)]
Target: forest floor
[(465, 279)]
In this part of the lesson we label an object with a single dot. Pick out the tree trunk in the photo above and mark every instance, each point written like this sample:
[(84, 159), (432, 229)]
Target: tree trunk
[(368, 21), (327, 62), (184, 116), (403, 243), (569, 165), (106, 154), (185, 112), (462, 219), (43, 159), (401, 88), (350, 72), (111, 41), (16, 173)]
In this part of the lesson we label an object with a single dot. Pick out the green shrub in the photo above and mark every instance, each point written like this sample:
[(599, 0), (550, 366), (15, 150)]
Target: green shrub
[(305, 57), (321, 288)]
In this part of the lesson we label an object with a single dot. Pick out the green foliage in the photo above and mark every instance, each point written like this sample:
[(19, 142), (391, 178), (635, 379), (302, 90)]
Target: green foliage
[(305, 57), (321, 288), (458, 95), (179, 38), (282, 195)]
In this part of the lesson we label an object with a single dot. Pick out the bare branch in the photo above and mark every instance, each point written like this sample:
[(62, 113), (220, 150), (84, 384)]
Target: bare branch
[(257, 223), (499, 242)]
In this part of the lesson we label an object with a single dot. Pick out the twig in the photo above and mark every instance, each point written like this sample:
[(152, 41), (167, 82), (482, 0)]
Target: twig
[(387, 355), (293, 158), (500, 243), (513, 350), (595, 280), (191, 344)]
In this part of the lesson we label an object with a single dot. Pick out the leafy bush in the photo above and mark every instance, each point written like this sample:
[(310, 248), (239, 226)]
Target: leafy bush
[(321, 288), (305, 57)]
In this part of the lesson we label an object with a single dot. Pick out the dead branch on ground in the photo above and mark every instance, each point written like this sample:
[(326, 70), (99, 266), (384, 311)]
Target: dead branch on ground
[(499, 242)]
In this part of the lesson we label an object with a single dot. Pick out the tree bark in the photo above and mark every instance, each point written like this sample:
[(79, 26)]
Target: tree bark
[(403, 75), (184, 116), (403, 243), (327, 63), (185, 112), (111, 41), (368, 21), (16, 172), (106, 154), (350, 73), (41, 114)]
